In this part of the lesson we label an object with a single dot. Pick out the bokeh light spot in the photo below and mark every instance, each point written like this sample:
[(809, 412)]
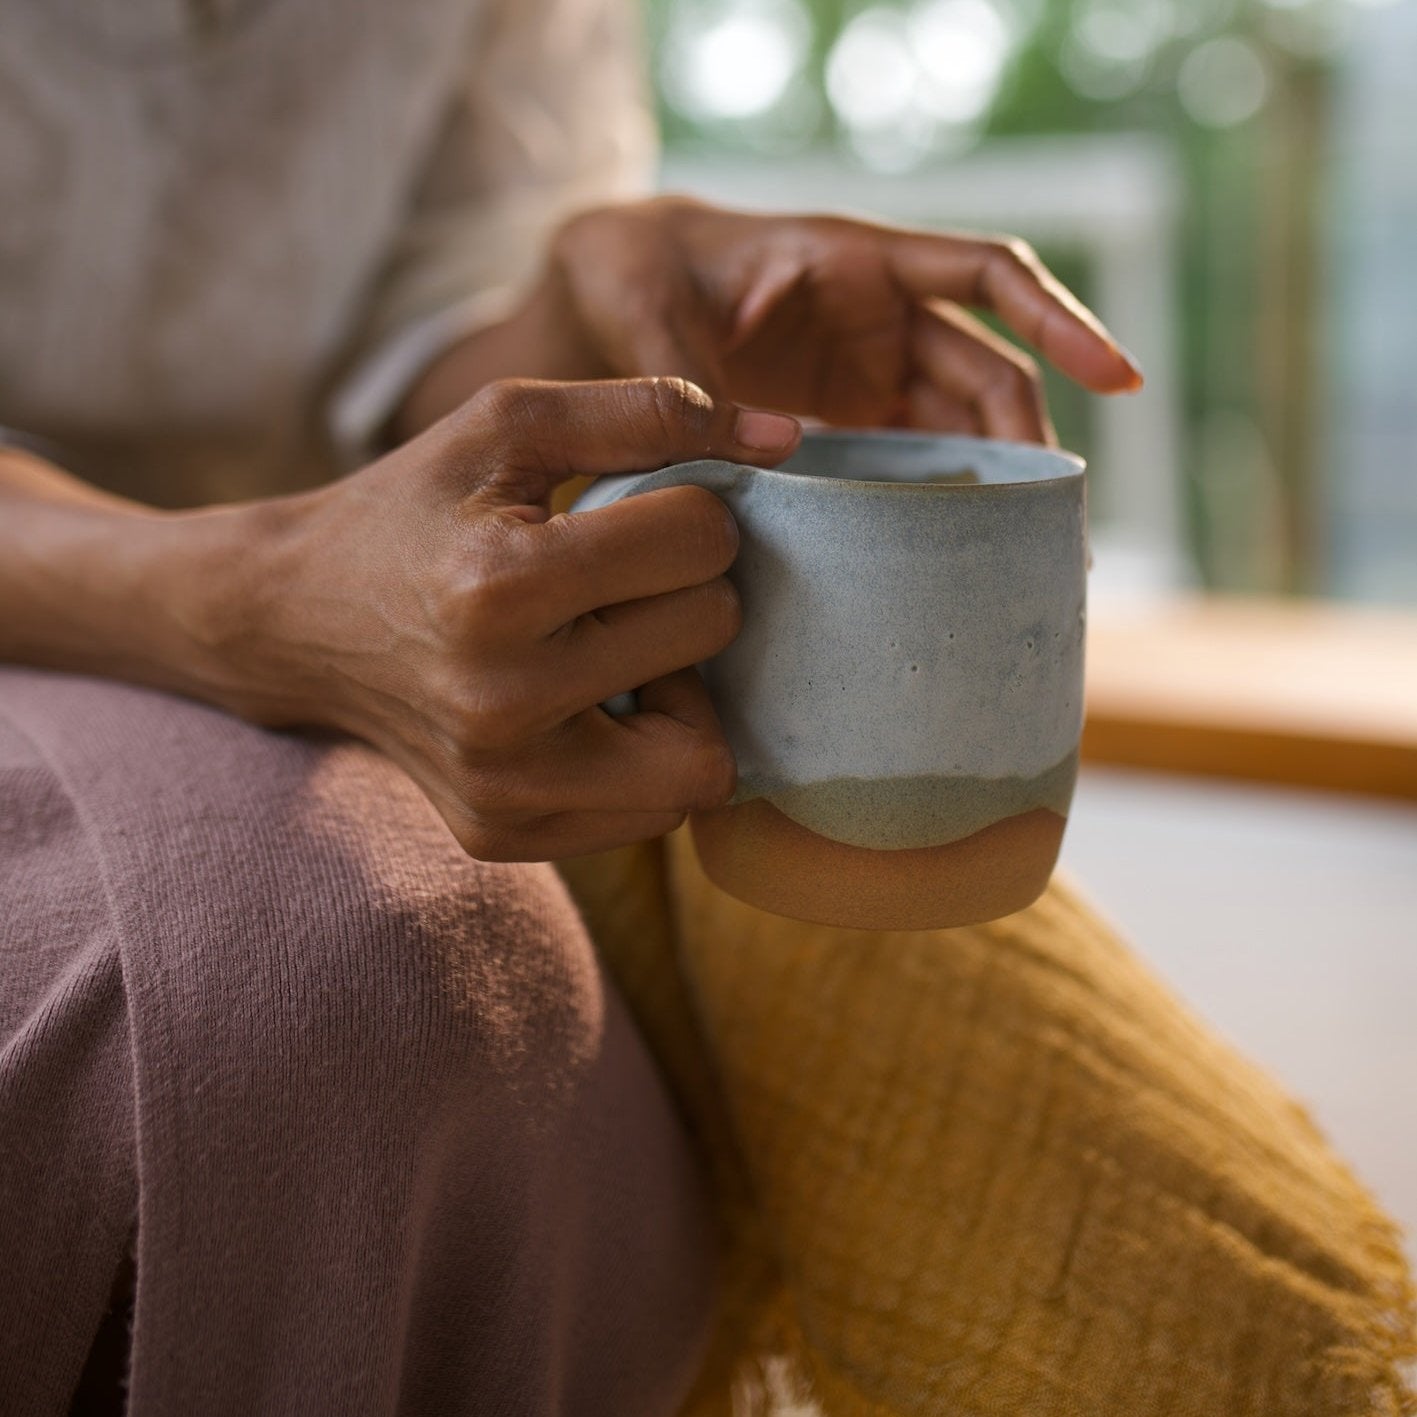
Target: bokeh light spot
[(962, 47), (871, 71), (1222, 82), (733, 60)]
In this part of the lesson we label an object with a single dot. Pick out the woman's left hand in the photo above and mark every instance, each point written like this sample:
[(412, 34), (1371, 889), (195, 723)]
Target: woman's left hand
[(842, 320)]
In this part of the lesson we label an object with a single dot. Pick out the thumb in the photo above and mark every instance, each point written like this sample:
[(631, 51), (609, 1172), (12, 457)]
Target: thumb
[(548, 432)]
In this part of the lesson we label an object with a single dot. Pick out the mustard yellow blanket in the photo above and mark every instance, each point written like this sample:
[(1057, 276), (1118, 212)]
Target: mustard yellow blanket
[(997, 1170)]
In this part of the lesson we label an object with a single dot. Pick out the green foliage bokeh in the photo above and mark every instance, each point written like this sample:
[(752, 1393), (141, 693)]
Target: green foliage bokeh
[(1221, 246)]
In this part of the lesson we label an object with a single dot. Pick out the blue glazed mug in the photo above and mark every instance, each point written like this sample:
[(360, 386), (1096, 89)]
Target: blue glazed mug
[(905, 698)]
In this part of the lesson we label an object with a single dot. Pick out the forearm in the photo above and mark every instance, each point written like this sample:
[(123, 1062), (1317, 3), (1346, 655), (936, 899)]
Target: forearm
[(97, 584)]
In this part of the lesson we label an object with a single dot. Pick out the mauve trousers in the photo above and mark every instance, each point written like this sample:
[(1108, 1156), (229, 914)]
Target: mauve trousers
[(376, 1128)]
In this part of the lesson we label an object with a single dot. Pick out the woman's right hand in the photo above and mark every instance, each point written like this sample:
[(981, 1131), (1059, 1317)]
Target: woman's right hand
[(432, 605)]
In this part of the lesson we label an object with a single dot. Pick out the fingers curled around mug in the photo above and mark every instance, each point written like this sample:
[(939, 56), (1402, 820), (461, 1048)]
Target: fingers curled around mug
[(638, 547), (668, 758), (496, 827), (967, 361), (674, 744), (623, 646)]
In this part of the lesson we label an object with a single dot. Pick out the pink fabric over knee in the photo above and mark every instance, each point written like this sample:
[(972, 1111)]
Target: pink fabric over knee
[(393, 1142)]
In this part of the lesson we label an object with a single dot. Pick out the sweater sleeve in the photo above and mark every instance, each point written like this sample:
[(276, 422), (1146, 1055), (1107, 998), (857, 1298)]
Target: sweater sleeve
[(552, 116)]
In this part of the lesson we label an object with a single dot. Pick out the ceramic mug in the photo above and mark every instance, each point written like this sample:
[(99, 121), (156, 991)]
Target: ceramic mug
[(905, 698)]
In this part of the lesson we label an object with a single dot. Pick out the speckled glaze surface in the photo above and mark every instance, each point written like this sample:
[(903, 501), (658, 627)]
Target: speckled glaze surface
[(905, 698)]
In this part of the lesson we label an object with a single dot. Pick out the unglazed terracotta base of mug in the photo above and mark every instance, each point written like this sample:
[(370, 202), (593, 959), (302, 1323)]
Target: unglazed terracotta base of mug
[(757, 853)]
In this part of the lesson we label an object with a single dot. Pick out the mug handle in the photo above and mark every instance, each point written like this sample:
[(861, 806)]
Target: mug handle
[(622, 705), (713, 474)]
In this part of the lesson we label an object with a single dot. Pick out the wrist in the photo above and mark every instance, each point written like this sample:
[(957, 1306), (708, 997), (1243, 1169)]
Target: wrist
[(216, 586), (92, 583), (69, 565)]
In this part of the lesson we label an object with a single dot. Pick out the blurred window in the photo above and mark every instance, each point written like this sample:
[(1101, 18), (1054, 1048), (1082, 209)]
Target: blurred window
[(1231, 181)]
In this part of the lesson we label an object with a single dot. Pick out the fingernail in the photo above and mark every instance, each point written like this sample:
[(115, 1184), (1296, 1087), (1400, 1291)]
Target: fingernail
[(1138, 378), (764, 431)]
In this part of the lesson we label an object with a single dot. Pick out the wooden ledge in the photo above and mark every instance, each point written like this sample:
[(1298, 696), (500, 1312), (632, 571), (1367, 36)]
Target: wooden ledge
[(1310, 694)]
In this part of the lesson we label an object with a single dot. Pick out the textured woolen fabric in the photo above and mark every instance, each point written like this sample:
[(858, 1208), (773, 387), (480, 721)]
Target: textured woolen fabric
[(996, 1172), (383, 1138)]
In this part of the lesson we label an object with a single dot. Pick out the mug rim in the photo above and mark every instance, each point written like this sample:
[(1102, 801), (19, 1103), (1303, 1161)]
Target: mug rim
[(611, 487), (1071, 465)]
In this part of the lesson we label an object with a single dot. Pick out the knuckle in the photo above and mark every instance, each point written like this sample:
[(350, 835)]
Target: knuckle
[(450, 614), (1025, 375), (493, 589), (679, 406), (483, 592), (487, 600), (493, 401), (514, 406), (709, 529), (605, 224), (1015, 378), (490, 721), (711, 774), (1015, 251)]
